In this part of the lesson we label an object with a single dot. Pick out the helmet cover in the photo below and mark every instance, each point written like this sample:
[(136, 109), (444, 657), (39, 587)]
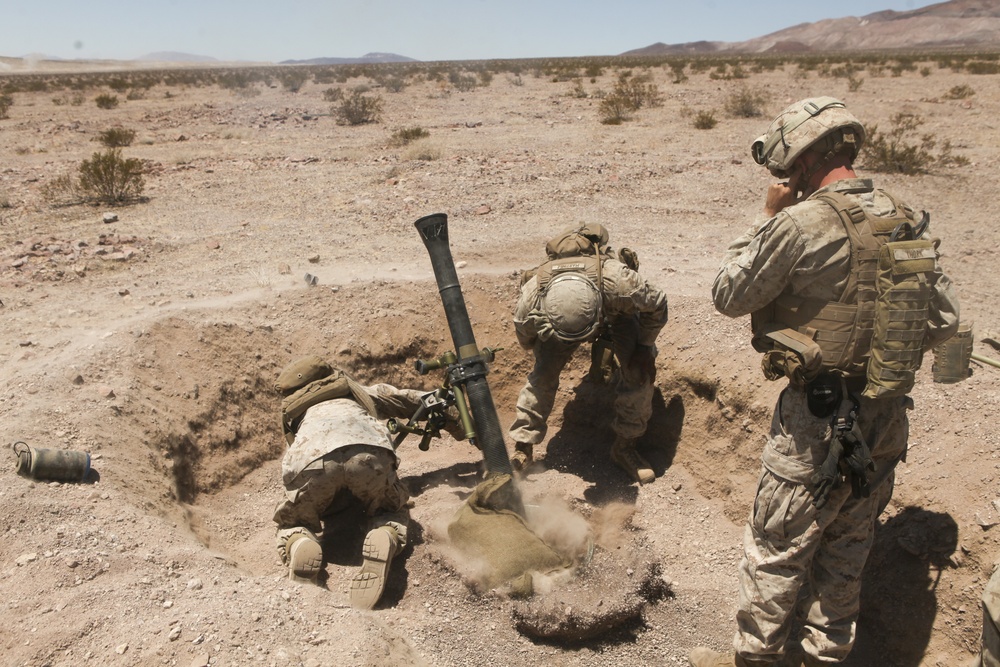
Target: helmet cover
[(801, 126), (572, 305)]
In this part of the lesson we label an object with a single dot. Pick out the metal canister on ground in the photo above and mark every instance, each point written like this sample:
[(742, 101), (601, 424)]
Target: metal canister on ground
[(951, 358), (51, 465)]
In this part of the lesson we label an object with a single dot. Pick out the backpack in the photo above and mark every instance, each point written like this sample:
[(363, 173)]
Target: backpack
[(301, 392)]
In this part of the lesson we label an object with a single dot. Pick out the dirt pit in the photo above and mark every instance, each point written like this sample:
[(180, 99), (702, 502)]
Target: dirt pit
[(153, 341)]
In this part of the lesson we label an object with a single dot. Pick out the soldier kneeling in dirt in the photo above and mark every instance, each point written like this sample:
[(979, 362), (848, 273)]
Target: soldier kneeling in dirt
[(338, 443)]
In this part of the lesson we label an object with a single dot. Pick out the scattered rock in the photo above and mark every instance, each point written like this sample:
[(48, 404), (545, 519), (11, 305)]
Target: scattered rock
[(110, 217)]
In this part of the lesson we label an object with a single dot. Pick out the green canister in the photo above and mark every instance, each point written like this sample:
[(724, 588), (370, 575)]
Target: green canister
[(51, 465)]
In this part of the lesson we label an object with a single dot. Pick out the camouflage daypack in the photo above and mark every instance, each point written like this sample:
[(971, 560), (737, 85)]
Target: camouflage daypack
[(310, 380)]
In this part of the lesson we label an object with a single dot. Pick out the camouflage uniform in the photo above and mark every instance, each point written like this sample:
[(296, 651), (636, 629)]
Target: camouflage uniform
[(990, 656), (635, 312), (339, 446), (790, 547)]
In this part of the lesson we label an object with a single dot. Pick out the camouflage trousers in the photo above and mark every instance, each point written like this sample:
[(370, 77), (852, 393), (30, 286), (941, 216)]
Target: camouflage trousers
[(801, 567), (367, 472), (990, 656), (633, 394)]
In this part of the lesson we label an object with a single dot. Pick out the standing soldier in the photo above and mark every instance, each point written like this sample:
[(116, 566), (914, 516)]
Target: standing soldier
[(845, 294), (583, 294)]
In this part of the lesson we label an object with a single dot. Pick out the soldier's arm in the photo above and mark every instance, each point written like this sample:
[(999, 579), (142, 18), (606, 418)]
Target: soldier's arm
[(629, 293), (524, 323), (757, 267), (393, 402)]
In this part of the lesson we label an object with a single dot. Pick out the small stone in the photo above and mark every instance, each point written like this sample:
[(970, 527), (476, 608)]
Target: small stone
[(121, 648), (110, 217), (175, 633), (201, 660), (104, 391), (194, 585), (314, 259), (24, 559)]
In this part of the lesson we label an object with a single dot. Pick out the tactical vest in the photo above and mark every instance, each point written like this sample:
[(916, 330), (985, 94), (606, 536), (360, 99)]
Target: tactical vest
[(337, 384), (876, 330)]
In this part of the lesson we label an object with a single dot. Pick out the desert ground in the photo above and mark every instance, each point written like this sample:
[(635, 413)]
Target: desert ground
[(150, 335)]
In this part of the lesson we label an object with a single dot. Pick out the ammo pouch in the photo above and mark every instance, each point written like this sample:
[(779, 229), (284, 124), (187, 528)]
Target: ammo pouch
[(793, 355)]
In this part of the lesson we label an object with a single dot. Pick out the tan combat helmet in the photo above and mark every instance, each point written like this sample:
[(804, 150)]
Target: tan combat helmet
[(802, 126), (572, 305)]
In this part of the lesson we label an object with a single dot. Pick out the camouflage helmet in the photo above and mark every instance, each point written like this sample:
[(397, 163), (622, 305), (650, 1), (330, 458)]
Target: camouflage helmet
[(572, 306), (803, 125)]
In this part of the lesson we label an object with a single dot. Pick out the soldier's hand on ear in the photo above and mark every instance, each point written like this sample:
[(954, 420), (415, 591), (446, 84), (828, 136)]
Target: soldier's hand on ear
[(782, 195)]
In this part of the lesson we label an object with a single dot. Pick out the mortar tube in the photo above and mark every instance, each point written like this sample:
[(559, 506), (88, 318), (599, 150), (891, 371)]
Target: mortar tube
[(433, 231)]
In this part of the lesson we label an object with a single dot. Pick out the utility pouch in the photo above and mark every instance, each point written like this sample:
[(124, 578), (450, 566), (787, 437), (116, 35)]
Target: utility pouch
[(824, 394), (795, 356), (901, 310), (602, 361), (951, 358)]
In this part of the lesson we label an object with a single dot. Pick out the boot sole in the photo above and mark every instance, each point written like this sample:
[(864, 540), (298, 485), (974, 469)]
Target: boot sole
[(305, 560), (369, 583)]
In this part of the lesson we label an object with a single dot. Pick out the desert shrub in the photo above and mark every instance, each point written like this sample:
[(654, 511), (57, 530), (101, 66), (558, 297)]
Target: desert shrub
[(423, 152), (118, 85), (578, 90), (394, 84), (105, 101), (406, 135), (116, 137), (293, 80), (854, 84), (109, 178), (959, 92), (246, 92), (6, 101), (678, 71), (462, 82), (982, 67), (614, 110), (135, 94), (358, 109), (895, 152), (745, 103), (705, 120), (333, 94), (77, 100)]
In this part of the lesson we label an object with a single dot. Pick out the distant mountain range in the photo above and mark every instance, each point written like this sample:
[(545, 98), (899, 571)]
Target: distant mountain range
[(367, 58), (954, 24)]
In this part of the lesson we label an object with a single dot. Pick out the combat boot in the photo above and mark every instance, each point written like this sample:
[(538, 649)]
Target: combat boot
[(623, 453), (706, 657), (522, 456), (305, 557), (381, 544)]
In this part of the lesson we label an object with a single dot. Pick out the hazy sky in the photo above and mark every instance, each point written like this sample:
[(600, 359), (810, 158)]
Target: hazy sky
[(276, 30)]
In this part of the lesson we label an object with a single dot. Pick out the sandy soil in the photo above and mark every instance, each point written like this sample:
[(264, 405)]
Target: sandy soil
[(152, 342)]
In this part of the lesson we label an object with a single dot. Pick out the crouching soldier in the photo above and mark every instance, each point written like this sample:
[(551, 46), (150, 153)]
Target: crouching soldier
[(583, 294), (338, 443)]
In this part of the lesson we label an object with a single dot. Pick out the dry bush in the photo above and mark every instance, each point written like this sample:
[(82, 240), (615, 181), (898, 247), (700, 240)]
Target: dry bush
[(407, 135), (894, 152), (106, 178), (959, 92), (705, 120), (116, 137), (358, 109), (105, 101), (745, 103)]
